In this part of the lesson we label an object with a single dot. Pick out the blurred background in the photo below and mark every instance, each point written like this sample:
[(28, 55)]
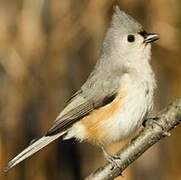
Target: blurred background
[(47, 50)]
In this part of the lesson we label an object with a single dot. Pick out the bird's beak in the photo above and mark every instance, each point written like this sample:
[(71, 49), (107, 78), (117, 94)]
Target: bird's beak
[(150, 37)]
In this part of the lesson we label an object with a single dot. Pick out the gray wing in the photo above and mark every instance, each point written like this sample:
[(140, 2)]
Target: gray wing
[(93, 95), (78, 108)]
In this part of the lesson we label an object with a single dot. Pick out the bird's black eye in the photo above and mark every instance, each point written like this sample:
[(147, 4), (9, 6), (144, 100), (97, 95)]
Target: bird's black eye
[(131, 38)]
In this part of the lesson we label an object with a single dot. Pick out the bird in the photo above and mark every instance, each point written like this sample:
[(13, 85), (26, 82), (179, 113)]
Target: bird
[(117, 96)]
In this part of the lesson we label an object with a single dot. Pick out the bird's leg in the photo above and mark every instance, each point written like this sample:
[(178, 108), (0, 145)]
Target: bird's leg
[(153, 120), (112, 159)]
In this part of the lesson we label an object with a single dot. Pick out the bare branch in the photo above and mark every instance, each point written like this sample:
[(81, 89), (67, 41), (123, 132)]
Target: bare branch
[(167, 120)]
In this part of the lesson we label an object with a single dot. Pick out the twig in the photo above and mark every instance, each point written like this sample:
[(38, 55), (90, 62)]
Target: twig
[(155, 130)]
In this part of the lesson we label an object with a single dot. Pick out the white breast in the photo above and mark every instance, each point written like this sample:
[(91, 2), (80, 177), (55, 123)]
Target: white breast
[(136, 105)]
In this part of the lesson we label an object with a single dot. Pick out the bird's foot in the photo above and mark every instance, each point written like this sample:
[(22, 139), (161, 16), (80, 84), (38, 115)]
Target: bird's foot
[(113, 160), (150, 120), (153, 120)]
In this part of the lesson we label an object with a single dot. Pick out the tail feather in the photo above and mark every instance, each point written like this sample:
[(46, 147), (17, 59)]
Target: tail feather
[(32, 149)]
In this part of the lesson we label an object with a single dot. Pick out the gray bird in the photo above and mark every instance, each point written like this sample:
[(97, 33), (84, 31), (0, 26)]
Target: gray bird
[(117, 95)]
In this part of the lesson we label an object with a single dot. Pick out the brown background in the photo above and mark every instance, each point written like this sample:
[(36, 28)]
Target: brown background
[(47, 50)]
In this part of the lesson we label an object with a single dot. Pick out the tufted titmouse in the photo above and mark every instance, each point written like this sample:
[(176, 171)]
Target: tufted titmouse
[(117, 95)]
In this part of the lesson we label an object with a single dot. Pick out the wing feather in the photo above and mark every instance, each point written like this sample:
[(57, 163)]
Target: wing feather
[(66, 120)]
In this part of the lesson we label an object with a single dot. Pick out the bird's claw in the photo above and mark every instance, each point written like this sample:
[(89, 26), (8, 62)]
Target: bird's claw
[(150, 120), (153, 120), (113, 160)]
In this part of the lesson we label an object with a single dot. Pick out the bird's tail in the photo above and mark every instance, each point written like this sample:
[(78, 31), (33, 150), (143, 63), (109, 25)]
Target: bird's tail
[(32, 149)]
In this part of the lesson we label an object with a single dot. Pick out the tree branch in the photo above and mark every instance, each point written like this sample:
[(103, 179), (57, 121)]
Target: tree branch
[(155, 130)]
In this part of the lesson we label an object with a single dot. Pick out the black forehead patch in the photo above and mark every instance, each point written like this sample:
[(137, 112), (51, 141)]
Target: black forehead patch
[(143, 33)]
